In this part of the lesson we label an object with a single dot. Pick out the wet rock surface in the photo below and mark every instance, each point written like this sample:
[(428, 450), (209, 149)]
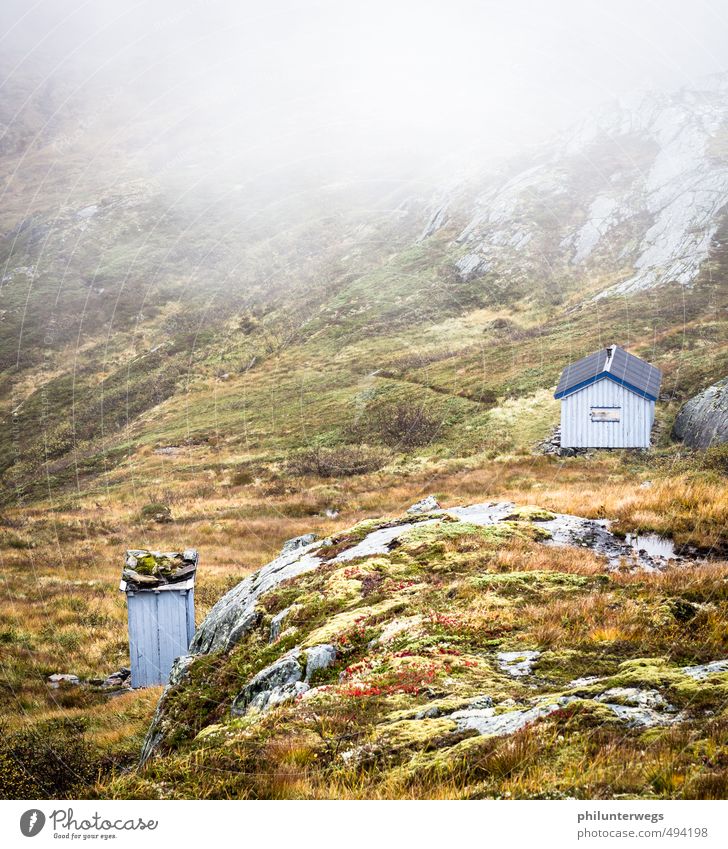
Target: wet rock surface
[(235, 614), (518, 664), (297, 542), (700, 673)]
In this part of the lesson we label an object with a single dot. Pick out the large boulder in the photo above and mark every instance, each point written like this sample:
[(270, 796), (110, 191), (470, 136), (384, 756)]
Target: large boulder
[(703, 420)]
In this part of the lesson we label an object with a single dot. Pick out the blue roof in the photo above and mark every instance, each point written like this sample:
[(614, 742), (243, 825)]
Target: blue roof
[(612, 363)]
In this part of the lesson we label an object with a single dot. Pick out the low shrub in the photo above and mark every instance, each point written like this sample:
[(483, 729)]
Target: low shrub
[(344, 461), (399, 425), (155, 512), (50, 760)]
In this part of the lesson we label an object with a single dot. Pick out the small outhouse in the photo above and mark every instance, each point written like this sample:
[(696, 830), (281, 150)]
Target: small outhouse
[(160, 594), (608, 400)]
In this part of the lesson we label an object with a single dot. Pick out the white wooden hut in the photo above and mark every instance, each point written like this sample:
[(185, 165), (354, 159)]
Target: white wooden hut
[(160, 593), (608, 400)]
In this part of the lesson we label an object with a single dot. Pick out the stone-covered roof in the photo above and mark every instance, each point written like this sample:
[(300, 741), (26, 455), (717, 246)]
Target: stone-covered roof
[(150, 570), (612, 363)]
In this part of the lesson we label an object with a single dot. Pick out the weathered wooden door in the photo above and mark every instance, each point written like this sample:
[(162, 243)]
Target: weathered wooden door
[(161, 625)]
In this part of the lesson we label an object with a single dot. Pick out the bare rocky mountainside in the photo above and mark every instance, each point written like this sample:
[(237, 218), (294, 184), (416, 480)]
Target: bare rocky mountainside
[(197, 352), (637, 191), (121, 291)]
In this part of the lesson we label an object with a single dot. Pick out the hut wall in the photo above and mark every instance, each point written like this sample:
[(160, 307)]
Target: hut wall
[(580, 430)]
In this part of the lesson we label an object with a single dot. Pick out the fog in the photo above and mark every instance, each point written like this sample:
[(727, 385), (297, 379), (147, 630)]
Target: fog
[(440, 84)]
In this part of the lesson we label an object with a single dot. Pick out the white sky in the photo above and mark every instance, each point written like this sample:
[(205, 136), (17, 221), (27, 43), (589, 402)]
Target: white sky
[(420, 78)]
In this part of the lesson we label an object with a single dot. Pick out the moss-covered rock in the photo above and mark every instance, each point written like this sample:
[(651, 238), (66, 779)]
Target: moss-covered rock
[(451, 657)]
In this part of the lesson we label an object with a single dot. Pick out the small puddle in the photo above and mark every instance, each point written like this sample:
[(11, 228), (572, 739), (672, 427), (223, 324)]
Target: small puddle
[(653, 545)]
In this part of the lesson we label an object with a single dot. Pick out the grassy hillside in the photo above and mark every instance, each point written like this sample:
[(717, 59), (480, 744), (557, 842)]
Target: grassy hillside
[(267, 362)]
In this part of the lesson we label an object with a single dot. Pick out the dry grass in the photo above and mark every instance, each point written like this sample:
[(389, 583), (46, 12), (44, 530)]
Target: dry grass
[(60, 610)]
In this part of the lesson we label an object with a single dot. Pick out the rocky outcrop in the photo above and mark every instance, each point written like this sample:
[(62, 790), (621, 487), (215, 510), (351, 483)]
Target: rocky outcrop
[(159, 725), (297, 542), (364, 563), (703, 420), (426, 505), (235, 614), (437, 220), (283, 681), (651, 218)]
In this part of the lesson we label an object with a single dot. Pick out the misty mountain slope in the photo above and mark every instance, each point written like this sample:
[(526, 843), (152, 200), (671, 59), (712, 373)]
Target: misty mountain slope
[(160, 309), (637, 192)]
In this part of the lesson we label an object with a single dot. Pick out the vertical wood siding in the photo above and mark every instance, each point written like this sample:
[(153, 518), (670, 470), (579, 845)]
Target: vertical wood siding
[(161, 625), (632, 431)]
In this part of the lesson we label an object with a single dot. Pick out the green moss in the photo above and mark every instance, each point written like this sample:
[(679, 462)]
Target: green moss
[(414, 733), (679, 688), (566, 664), (152, 563), (584, 714), (359, 618), (536, 583), (531, 513)]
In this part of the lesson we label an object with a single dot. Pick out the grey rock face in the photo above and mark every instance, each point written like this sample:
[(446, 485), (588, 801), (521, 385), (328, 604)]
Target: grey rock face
[(485, 721), (297, 542), (59, 678), (426, 505), (517, 663), (235, 614), (282, 681), (276, 624), (634, 706), (118, 680), (703, 420), (377, 542), (274, 682), (699, 673), (673, 204), (319, 657), (634, 697), (437, 220), (471, 265), (279, 695)]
